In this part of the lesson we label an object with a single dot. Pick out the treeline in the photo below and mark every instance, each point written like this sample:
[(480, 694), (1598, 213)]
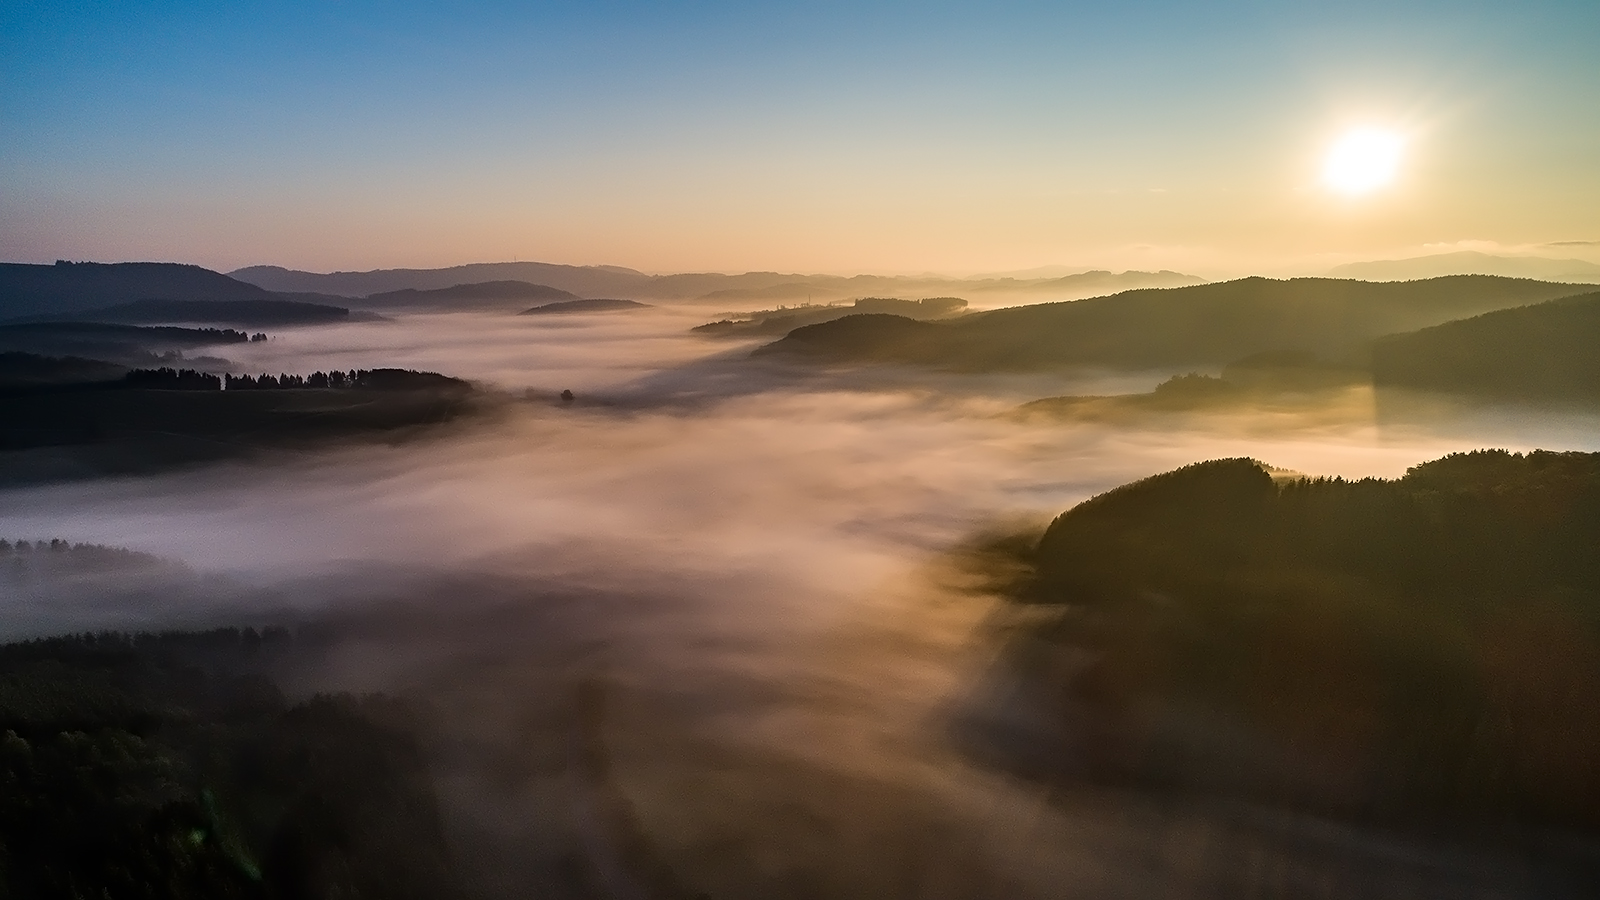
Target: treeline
[(170, 765), (23, 557), (785, 319), (170, 379), (1203, 325), (57, 545), (1428, 645), (369, 379), (264, 382)]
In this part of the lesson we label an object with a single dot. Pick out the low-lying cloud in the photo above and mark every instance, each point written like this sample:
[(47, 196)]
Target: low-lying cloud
[(748, 556)]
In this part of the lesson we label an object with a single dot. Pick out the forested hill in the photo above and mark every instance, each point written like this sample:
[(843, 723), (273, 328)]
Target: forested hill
[(1209, 324), (1550, 351), (491, 294), (77, 418), (596, 305), (31, 290), (1427, 646)]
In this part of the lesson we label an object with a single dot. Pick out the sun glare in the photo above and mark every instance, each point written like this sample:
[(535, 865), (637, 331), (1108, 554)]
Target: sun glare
[(1362, 161)]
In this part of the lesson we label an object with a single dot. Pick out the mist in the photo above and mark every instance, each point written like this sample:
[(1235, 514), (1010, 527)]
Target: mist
[(736, 579)]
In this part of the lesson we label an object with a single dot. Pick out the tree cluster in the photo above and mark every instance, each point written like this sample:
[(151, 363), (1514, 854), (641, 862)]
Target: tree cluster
[(221, 335)]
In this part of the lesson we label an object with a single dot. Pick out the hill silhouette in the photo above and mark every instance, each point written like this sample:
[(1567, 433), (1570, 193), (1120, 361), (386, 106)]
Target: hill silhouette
[(780, 321), (583, 306), (483, 294), (69, 287), (77, 418), (615, 281), (1423, 649), (1545, 352), (123, 344), (1282, 389), (576, 280), (1203, 325)]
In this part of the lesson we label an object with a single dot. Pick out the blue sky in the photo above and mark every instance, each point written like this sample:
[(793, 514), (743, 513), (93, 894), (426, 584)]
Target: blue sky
[(823, 137)]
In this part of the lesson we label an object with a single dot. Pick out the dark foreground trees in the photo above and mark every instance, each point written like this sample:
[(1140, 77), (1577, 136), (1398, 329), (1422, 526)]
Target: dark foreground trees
[(1425, 646), (170, 766)]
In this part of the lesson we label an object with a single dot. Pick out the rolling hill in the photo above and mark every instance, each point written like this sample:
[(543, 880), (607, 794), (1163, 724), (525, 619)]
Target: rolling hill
[(1411, 650), (477, 295), (1541, 352), (569, 307), (70, 288), (1203, 325)]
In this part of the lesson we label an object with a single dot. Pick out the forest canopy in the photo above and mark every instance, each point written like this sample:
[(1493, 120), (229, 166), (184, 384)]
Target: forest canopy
[(1428, 645)]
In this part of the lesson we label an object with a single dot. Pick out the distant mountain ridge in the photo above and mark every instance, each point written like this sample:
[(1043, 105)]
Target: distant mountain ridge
[(576, 280), (614, 281), (1470, 262), (150, 293)]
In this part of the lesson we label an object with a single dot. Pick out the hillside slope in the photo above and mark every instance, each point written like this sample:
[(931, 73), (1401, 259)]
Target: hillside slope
[(1427, 646), (478, 295), (1543, 352), (1209, 324), (32, 290)]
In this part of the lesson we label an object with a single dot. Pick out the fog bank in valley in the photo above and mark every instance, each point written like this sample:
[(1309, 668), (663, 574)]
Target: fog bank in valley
[(732, 575)]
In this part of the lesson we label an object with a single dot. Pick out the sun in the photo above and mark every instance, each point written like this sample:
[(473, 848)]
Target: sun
[(1362, 161)]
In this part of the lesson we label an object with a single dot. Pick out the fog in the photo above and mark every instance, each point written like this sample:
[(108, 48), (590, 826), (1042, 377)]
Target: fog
[(748, 567)]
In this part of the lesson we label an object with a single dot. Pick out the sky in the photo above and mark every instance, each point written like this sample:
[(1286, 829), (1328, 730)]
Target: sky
[(818, 137)]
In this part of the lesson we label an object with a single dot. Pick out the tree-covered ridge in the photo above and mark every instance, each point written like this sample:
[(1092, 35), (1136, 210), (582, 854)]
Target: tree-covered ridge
[(153, 419), (170, 766), (68, 287), (1209, 324), (1422, 645), (84, 555), (358, 379), (126, 345), (165, 334), (1277, 384), (779, 321), (60, 375), (1541, 352), (572, 307)]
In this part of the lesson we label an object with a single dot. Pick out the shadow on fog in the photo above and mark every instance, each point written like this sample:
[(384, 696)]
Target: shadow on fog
[(712, 644)]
